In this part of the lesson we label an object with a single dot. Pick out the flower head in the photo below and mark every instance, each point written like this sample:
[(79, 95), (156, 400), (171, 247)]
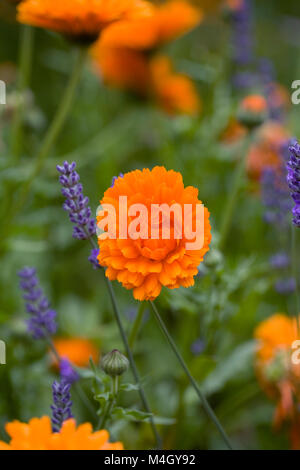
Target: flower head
[(146, 263), (82, 20), (42, 319), (37, 435), (62, 404), (166, 22), (293, 179), (76, 203), (253, 110)]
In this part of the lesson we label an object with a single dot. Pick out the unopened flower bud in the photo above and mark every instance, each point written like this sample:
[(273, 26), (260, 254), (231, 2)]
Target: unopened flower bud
[(253, 111), (114, 363)]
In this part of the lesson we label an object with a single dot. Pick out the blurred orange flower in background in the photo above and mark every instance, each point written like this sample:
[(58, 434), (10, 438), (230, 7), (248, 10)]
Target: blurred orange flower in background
[(175, 93), (38, 435), (265, 152), (146, 265), (79, 19), (77, 350), (166, 22), (277, 374)]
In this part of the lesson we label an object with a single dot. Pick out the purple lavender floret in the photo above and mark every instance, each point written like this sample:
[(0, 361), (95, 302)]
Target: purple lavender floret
[(285, 286), (293, 179), (76, 204), (67, 373), (280, 261), (275, 196), (42, 321), (114, 178), (93, 258), (198, 346), (62, 404)]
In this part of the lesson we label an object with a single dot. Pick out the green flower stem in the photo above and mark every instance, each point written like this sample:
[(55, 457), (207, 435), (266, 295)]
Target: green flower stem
[(137, 324), (53, 132), (235, 187), (295, 272), (111, 403), (24, 72), (194, 384), (131, 360)]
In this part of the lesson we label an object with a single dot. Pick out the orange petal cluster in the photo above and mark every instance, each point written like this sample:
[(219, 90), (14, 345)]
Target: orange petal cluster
[(37, 435), (265, 152), (146, 265), (77, 18), (167, 22), (77, 350), (275, 338)]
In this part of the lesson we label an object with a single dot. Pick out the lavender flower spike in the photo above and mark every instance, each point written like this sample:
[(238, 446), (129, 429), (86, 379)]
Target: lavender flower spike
[(42, 319), (76, 203), (67, 373), (61, 408), (293, 179)]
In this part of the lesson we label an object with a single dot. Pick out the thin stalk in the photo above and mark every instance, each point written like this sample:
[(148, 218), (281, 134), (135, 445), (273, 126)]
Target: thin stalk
[(235, 187), (110, 404), (131, 360), (136, 325), (193, 382), (295, 272), (24, 72), (53, 131)]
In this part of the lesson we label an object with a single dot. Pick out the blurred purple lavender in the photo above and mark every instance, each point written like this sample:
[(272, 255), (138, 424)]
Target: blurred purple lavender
[(115, 178), (293, 179), (67, 373), (93, 258), (285, 286), (275, 193), (280, 261), (42, 322), (198, 346), (61, 408), (76, 203)]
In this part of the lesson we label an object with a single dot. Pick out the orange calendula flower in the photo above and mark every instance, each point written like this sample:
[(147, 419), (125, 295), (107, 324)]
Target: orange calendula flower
[(175, 93), (79, 19), (265, 152), (167, 21), (152, 78), (150, 260), (254, 104), (77, 350), (278, 374), (38, 435)]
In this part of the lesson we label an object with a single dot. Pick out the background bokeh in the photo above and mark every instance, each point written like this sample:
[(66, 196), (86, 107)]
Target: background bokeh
[(110, 132)]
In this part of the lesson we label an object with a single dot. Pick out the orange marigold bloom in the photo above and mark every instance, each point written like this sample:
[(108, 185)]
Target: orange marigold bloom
[(38, 435), (79, 19), (167, 21), (265, 152), (233, 133), (77, 350), (145, 265), (277, 374), (175, 93)]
